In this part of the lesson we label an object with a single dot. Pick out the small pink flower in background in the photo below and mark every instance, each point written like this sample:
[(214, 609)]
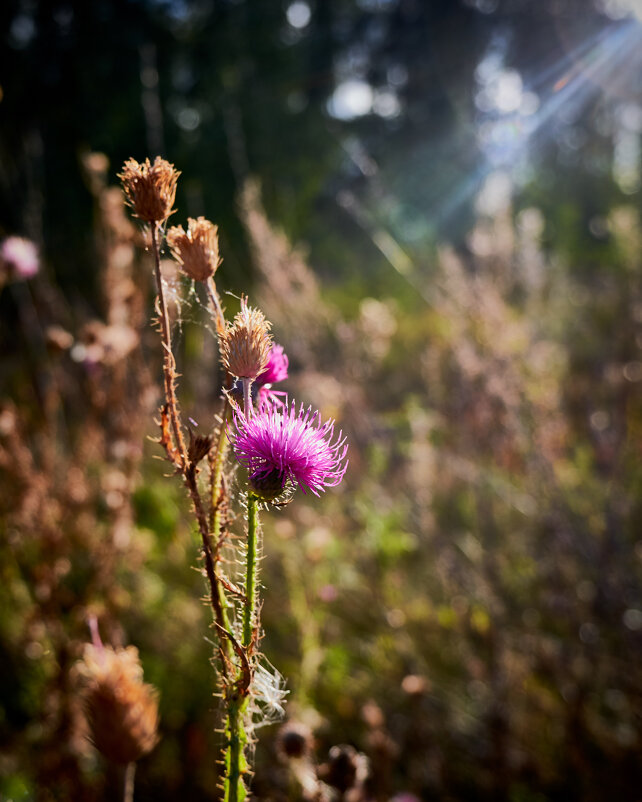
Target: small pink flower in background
[(281, 446), (20, 257), (328, 593), (276, 371)]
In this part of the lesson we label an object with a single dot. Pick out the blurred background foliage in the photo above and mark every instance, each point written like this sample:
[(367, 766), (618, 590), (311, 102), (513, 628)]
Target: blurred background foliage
[(465, 178)]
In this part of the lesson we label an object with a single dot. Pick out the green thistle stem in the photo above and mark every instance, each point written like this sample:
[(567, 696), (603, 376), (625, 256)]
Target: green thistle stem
[(235, 761), (236, 766), (250, 573)]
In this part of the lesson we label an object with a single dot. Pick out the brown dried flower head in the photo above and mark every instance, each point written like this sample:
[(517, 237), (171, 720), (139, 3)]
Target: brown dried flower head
[(294, 741), (122, 710), (150, 189), (197, 249), (246, 343), (346, 768)]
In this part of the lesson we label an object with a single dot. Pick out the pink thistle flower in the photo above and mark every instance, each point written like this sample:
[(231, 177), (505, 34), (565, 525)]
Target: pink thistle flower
[(276, 371), (20, 255), (277, 366), (281, 446)]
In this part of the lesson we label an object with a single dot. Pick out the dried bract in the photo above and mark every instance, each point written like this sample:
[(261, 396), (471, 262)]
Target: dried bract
[(246, 343), (122, 710), (196, 249), (150, 189)]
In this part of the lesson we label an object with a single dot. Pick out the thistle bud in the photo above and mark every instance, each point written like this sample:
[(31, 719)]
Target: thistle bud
[(122, 710), (150, 189), (246, 343), (196, 249)]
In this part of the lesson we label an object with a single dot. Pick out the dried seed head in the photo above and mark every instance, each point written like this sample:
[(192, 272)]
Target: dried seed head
[(246, 343), (197, 249), (346, 768), (294, 741), (150, 189), (122, 710)]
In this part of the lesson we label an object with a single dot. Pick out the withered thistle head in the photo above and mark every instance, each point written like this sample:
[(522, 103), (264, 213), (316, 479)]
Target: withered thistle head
[(122, 710), (197, 249), (294, 741), (346, 768), (246, 343), (150, 189)]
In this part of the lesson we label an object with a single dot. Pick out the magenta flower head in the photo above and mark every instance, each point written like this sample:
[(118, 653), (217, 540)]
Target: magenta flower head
[(277, 367), (276, 371), (281, 446)]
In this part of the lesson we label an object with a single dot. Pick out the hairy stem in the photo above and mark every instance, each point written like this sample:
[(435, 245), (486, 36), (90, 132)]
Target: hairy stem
[(250, 571), (169, 364), (238, 698), (236, 766)]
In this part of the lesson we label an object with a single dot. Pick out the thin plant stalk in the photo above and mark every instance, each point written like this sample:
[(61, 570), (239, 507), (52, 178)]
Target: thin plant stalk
[(169, 364), (236, 765), (214, 300), (128, 784), (216, 523)]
